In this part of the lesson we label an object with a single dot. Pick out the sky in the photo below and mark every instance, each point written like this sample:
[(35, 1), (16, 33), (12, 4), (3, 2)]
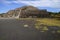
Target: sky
[(49, 5)]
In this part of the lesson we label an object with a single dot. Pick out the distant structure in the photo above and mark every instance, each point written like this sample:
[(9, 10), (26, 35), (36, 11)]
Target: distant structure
[(24, 12)]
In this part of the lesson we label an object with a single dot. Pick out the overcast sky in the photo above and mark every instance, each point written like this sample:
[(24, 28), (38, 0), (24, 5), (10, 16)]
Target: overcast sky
[(50, 5)]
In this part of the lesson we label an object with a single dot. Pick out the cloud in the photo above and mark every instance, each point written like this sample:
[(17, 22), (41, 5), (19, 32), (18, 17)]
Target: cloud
[(38, 3), (43, 3)]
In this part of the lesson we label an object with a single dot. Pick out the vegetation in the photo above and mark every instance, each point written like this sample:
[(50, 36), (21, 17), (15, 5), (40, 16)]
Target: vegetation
[(54, 15), (45, 21), (48, 21), (43, 24)]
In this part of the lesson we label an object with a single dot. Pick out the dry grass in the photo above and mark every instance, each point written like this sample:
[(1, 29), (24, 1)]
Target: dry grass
[(49, 22), (45, 21)]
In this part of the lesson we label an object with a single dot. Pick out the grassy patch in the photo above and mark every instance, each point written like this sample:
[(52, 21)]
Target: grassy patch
[(49, 22), (43, 21), (24, 18)]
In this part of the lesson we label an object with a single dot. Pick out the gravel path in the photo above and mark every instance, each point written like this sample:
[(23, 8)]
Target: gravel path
[(12, 29)]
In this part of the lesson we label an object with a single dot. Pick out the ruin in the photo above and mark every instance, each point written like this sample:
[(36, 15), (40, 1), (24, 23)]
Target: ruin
[(26, 11)]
